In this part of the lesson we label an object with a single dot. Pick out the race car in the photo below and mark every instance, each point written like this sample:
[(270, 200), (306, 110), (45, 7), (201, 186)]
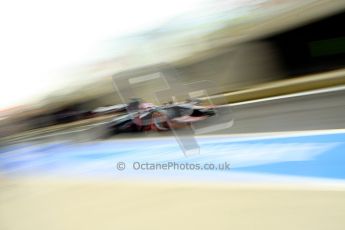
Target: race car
[(141, 116)]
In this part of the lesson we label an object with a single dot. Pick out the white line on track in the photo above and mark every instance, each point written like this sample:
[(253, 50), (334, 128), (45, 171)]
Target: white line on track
[(275, 135), (243, 137)]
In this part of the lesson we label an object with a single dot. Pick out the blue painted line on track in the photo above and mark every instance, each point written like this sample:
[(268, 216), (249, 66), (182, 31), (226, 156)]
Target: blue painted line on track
[(321, 156)]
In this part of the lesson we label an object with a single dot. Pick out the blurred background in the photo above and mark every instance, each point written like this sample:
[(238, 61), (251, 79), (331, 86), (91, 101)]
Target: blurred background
[(58, 60), (279, 65)]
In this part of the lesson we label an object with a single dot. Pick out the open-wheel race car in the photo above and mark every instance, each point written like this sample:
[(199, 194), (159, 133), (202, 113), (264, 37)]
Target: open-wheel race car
[(141, 116)]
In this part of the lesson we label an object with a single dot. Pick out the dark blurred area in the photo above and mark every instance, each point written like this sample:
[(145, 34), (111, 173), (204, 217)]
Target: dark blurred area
[(312, 48)]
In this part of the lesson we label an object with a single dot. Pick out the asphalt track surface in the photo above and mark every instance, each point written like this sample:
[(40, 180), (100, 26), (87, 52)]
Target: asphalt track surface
[(314, 110)]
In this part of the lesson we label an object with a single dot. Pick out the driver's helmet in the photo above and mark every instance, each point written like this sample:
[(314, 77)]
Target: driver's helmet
[(134, 104)]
